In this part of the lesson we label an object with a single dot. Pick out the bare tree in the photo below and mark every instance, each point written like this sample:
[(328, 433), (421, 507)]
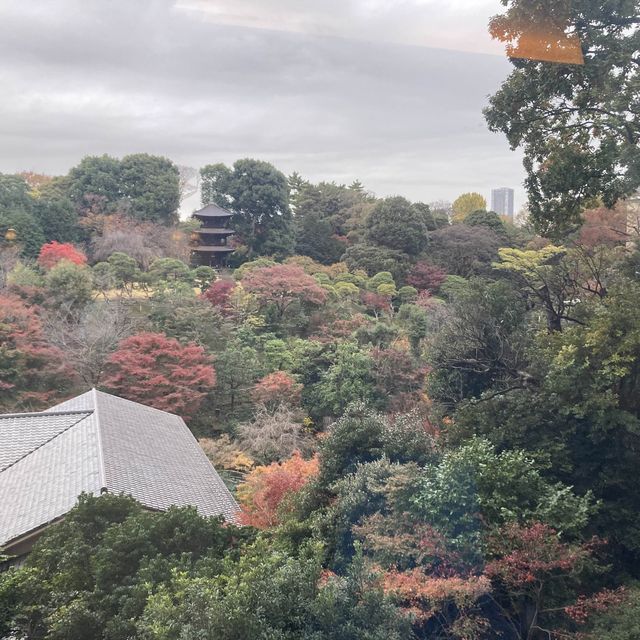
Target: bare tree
[(9, 258), (90, 335), (274, 435)]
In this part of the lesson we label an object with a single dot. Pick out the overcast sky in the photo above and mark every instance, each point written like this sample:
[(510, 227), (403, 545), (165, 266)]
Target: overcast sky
[(387, 91)]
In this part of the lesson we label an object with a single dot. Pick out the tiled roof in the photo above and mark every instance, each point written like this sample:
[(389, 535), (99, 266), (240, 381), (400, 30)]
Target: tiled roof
[(212, 211), (97, 442)]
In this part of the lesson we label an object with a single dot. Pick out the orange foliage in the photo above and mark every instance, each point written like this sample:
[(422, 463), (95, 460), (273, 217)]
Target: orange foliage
[(276, 388), (266, 489)]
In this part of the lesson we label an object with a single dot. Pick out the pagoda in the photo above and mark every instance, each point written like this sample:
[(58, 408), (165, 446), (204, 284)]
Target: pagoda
[(210, 243)]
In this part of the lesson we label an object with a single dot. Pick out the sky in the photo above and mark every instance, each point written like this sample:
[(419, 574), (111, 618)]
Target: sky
[(389, 92)]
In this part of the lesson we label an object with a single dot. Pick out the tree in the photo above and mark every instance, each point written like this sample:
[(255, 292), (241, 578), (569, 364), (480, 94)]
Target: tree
[(219, 293), (315, 238), (464, 204), (89, 335), (372, 259), (394, 223), (57, 217), (29, 234), (258, 195), (576, 123), (182, 315), (274, 435), (464, 251), (348, 379), (480, 345), (53, 252), (32, 371), (97, 176), (264, 494), (489, 219), (282, 285), (14, 194), (237, 370), (425, 276), (88, 575), (277, 388), (69, 285), (160, 372), (151, 185), (547, 277)]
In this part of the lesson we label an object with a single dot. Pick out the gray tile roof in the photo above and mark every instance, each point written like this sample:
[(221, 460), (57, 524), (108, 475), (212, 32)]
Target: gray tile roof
[(97, 442), (212, 211)]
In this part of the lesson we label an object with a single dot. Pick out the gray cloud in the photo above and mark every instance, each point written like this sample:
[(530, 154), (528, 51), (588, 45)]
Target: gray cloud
[(119, 77)]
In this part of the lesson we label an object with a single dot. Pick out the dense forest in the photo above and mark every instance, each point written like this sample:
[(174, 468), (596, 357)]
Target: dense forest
[(430, 416)]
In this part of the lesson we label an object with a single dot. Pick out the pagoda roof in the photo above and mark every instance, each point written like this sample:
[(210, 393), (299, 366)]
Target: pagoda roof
[(212, 211), (213, 249), (214, 230)]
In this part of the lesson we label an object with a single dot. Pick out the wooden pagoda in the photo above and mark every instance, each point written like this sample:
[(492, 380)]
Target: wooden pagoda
[(210, 243)]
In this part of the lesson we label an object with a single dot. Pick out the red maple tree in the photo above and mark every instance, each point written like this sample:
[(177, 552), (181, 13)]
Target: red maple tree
[(263, 495), (153, 369), (277, 388), (218, 294), (32, 372), (425, 276), (283, 284), (53, 252)]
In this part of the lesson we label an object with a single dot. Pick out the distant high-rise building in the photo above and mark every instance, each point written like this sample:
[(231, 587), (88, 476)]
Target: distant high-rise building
[(502, 201)]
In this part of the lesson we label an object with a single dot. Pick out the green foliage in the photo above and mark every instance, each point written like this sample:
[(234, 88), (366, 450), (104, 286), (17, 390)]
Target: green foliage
[(480, 343), (394, 223), (473, 489), (575, 122), (58, 219), (621, 622), (348, 379), (355, 438), (146, 187), (89, 573), (69, 285), (29, 234), (372, 259), (152, 187), (182, 315), (258, 195), (482, 218)]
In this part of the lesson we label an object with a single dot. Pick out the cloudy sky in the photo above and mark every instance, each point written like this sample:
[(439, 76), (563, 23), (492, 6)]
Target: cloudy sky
[(386, 91)]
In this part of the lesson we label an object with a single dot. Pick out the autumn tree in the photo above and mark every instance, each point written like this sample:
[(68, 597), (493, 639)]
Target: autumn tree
[(465, 203), (160, 372), (264, 494), (276, 388), (53, 252), (426, 276), (282, 285), (32, 372)]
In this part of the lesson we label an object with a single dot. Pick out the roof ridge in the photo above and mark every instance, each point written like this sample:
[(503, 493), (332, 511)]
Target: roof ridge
[(103, 470), (33, 414), (42, 444), (138, 404)]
